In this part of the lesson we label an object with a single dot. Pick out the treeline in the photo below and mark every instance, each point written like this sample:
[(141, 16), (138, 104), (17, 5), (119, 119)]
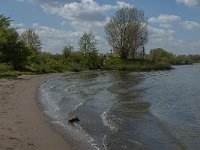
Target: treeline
[(126, 33), (159, 55), (194, 58), (23, 52)]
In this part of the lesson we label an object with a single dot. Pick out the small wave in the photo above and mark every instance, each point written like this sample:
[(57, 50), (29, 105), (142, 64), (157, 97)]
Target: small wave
[(58, 123), (76, 107), (91, 141), (105, 142), (48, 84), (49, 99), (108, 120)]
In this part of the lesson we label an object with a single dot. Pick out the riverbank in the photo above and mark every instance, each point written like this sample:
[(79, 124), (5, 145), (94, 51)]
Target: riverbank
[(137, 65), (22, 124)]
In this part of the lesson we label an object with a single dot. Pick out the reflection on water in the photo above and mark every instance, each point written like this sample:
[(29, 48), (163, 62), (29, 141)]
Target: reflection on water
[(125, 110)]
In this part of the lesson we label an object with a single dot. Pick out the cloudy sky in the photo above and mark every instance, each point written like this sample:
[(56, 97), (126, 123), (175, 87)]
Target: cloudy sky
[(173, 24)]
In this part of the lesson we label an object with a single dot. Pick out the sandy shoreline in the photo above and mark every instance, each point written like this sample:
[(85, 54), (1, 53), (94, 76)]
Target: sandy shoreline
[(22, 124)]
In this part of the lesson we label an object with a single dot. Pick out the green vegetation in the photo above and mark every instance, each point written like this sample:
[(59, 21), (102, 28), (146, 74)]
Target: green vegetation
[(21, 54), (7, 71), (160, 55), (116, 63), (89, 51), (194, 58), (32, 40), (13, 50)]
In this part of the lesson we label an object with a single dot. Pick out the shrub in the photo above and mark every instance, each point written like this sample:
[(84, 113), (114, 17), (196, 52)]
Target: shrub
[(75, 67), (5, 67)]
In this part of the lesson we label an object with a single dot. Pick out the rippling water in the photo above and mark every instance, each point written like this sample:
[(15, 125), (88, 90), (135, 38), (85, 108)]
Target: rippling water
[(126, 110)]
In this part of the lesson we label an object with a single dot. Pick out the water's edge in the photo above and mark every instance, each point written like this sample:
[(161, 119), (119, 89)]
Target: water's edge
[(122, 110), (71, 138)]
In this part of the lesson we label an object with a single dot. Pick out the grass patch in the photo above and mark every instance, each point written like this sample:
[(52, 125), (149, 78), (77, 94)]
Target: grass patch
[(116, 63)]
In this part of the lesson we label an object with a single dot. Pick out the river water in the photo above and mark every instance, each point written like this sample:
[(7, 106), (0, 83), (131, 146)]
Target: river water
[(126, 110)]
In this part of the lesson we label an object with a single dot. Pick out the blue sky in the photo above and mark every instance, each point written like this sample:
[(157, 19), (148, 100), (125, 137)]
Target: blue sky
[(173, 24)]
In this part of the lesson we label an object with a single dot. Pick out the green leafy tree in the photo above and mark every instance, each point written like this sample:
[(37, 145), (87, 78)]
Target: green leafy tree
[(161, 55), (88, 49), (12, 49), (87, 43), (32, 40), (67, 52), (4, 21), (127, 32)]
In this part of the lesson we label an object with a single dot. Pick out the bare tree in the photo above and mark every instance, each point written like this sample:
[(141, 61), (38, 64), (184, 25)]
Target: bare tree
[(126, 31)]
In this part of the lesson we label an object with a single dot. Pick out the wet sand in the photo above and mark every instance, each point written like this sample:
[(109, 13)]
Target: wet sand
[(22, 125)]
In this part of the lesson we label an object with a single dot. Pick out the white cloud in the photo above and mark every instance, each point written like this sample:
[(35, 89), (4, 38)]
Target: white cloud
[(53, 40), (163, 38), (82, 15), (17, 25), (190, 25), (166, 38), (190, 47), (165, 25), (86, 14), (50, 2), (190, 3), (121, 4), (164, 19), (166, 35), (86, 10), (158, 34), (167, 21)]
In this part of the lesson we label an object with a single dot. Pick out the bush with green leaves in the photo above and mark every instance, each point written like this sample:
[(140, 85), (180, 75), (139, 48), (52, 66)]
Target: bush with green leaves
[(46, 63), (161, 55), (5, 67), (116, 63), (12, 49)]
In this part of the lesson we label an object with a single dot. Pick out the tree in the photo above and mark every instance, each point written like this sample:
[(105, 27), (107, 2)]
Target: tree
[(161, 55), (32, 40), (67, 52), (87, 44), (4, 21), (127, 32), (4, 33), (12, 49)]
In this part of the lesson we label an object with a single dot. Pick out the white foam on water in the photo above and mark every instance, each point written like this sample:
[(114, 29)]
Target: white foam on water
[(108, 118), (49, 104), (90, 139), (109, 121), (104, 142), (50, 101), (76, 107), (59, 123)]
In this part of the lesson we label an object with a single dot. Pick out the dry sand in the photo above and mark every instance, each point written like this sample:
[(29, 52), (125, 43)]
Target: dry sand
[(22, 124)]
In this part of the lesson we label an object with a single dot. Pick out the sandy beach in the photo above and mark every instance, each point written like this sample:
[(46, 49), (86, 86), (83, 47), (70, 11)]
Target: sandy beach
[(22, 124)]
